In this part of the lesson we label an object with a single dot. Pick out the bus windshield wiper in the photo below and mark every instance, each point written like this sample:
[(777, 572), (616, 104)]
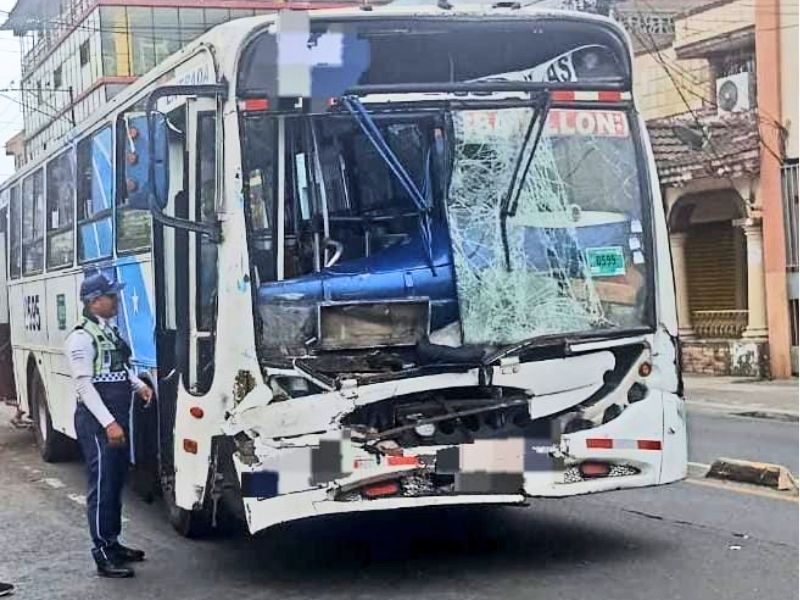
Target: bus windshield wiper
[(374, 135), (508, 206), (564, 340)]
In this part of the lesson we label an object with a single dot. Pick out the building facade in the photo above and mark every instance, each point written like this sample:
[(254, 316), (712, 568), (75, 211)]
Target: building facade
[(719, 93)]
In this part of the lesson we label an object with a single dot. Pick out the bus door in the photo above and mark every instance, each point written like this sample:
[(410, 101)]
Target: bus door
[(187, 274), (7, 392)]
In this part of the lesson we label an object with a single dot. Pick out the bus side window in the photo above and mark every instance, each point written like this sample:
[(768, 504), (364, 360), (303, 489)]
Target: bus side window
[(133, 221), (60, 202), (14, 234), (95, 185), (33, 223)]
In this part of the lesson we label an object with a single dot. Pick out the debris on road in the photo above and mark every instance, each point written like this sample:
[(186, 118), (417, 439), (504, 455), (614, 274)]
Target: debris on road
[(758, 473)]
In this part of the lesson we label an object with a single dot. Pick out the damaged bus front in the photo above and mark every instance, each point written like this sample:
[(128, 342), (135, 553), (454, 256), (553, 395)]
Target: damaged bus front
[(461, 283)]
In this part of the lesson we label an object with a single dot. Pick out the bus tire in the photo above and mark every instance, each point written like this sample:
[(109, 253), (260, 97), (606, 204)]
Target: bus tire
[(53, 445)]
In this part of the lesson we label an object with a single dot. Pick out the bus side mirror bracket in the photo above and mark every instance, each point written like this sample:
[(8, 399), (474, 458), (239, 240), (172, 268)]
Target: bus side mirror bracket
[(157, 157)]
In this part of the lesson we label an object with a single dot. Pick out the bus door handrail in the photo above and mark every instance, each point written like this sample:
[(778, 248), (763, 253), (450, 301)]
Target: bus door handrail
[(212, 90)]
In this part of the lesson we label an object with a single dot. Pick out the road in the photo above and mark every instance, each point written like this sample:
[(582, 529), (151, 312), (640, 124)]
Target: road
[(687, 541), (714, 435)]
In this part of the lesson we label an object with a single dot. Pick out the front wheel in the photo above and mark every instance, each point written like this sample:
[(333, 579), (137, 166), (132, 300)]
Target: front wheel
[(53, 445)]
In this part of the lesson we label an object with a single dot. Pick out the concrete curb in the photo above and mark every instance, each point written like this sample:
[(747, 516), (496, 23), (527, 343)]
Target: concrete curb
[(739, 409), (757, 473)]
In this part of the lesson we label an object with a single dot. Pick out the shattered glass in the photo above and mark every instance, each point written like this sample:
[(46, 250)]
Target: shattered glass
[(576, 248)]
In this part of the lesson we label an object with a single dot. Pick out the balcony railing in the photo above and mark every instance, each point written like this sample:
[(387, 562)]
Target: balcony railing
[(719, 324), (54, 30)]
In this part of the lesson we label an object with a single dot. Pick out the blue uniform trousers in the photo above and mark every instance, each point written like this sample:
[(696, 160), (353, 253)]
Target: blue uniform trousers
[(107, 466)]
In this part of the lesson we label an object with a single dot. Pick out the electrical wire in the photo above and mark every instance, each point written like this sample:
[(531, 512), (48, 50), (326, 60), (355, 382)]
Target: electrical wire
[(709, 142), (680, 89)]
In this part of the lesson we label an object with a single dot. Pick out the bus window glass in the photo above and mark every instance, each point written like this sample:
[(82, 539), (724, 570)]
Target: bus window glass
[(206, 300), (261, 136), (95, 186), (572, 245), (60, 202), (15, 234), (33, 223), (133, 222)]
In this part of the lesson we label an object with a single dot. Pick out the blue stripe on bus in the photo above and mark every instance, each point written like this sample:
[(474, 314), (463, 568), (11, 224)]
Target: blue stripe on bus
[(135, 320)]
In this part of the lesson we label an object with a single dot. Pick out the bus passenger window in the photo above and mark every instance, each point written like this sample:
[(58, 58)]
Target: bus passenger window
[(33, 223), (95, 185), (15, 235), (133, 222), (60, 199)]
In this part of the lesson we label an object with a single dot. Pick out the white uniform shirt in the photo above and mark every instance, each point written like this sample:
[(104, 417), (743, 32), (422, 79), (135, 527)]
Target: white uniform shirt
[(80, 356)]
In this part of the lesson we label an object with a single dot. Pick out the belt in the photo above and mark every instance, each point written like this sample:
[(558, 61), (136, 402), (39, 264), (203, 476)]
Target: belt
[(117, 377)]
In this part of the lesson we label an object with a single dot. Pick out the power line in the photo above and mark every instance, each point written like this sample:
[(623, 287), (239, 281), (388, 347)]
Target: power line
[(695, 118), (34, 90), (33, 108), (764, 118)]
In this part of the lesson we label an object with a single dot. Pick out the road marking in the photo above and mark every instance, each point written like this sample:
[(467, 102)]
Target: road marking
[(720, 485), (54, 483)]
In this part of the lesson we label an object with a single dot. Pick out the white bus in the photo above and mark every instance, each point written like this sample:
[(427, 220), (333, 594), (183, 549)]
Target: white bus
[(374, 259)]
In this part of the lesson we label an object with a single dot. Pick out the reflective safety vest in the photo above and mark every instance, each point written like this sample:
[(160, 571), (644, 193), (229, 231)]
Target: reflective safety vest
[(111, 353)]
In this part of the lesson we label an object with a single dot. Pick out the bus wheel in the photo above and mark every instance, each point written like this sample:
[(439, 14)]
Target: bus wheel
[(53, 445)]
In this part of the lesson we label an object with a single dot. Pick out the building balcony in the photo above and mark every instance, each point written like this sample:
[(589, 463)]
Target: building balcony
[(719, 324)]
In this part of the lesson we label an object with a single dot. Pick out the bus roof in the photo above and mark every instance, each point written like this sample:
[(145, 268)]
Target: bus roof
[(228, 38)]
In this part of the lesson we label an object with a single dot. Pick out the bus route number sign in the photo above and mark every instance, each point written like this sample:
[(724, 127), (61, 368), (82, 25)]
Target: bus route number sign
[(33, 317), (606, 262)]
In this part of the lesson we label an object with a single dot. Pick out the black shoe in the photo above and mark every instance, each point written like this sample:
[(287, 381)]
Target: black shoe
[(6, 589), (124, 554), (112, 569)]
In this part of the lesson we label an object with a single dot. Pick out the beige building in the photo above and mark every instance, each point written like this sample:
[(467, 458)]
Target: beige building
[(720, 97)]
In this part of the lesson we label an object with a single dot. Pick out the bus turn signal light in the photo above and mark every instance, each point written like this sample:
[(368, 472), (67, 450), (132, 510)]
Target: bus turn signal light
[(190, 446), (645, 369), (196, 412)]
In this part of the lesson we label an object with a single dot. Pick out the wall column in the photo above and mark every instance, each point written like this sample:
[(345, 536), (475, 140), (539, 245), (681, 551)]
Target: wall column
[(768, 57), (756, 288), (677, 242)]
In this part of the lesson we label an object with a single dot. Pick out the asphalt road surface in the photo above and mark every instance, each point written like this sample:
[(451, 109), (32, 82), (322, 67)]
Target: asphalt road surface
[(691, 540), (715, 435)]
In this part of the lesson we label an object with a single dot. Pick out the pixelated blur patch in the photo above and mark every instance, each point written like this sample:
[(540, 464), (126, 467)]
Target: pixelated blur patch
[(447, 461), (489, 483), (260, 484), (326, 462)]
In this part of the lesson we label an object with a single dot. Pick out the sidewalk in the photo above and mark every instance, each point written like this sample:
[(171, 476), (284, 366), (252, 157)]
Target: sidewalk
[(736, 394)]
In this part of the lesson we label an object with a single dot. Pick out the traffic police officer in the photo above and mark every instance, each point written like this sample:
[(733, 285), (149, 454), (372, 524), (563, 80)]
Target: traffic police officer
[(98, 358)]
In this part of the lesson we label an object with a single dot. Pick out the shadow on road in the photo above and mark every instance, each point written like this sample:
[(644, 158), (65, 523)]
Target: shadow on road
[(442, 544)]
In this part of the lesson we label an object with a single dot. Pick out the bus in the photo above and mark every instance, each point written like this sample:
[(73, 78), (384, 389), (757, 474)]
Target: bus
[(375, 258)]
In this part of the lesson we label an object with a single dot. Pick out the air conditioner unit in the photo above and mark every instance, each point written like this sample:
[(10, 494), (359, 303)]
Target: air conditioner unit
[(735, 93)]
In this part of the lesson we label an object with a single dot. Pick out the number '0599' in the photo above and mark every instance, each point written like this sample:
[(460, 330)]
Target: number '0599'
[(33, 317)]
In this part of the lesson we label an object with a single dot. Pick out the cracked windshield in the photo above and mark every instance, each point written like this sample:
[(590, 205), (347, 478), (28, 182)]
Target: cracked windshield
[(574, 257)]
